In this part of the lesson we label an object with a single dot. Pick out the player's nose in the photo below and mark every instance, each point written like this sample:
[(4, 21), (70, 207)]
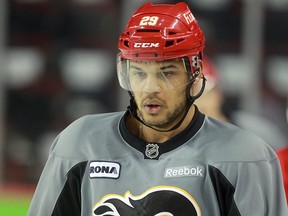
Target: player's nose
[(152, 85)]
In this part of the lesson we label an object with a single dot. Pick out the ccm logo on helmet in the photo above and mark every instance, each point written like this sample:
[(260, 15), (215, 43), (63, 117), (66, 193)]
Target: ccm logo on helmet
[(146, 45)]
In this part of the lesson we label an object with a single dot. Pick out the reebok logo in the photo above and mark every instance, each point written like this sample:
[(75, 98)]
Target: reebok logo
[(104, 169), (184, 171)]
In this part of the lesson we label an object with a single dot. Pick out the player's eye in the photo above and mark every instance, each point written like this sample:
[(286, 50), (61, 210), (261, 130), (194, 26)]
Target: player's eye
[(139, 74), (168, 73)]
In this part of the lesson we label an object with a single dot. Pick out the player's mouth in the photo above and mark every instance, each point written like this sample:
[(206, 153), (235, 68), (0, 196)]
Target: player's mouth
[(152, 107)]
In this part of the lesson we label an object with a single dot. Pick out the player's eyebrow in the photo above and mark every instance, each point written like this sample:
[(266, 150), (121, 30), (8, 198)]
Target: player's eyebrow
[(161, 68), (134, 67), (168, 67)]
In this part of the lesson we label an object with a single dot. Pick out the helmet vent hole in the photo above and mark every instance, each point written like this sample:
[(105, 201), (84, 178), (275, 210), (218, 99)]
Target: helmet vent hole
[(180, 40), (169, 43), (126, 43), (148, 30), (172, 32)]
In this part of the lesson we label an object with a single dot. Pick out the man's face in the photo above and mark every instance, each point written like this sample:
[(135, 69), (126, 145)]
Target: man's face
[(159, 89)]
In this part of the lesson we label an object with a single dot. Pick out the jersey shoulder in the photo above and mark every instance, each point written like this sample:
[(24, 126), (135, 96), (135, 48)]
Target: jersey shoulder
[(80, 137), (227, 142)]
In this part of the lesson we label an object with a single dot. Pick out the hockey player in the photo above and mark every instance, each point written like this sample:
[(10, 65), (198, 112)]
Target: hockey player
[(161, 157)]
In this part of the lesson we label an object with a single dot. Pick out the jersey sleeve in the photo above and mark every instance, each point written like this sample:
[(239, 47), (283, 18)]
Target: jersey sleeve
[(58, 190), (249, 188)]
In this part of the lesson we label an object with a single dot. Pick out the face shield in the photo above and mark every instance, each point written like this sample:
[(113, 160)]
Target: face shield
[(153, 76)]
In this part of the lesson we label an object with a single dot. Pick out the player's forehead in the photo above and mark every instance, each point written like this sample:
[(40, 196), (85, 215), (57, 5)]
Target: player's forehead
[(165, 64)]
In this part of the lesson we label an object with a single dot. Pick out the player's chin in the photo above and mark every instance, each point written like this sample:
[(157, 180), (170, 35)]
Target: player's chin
[(156, 121)]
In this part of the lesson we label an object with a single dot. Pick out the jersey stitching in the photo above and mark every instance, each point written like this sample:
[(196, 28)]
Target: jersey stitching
[(246, 162)]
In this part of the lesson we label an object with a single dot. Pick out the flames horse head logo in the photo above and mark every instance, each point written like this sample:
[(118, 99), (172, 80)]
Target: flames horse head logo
[(157, 201)]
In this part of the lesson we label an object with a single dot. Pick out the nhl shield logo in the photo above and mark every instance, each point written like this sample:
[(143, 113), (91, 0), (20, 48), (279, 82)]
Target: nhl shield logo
[(152, 150)]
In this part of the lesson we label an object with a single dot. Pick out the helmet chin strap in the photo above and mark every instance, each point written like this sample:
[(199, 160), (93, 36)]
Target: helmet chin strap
[(132, 108)]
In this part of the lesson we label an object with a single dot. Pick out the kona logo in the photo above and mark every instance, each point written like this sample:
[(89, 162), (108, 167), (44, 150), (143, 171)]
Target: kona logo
[(146, 45), (102, 169)]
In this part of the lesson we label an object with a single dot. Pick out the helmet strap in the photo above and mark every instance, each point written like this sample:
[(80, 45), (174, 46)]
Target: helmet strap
[(193, 98)]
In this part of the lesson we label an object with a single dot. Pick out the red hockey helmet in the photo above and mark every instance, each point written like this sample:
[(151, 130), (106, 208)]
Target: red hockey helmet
[(158, 33), (161, 32)]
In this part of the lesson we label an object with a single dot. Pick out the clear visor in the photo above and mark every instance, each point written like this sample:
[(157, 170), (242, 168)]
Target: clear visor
[(152, 76)]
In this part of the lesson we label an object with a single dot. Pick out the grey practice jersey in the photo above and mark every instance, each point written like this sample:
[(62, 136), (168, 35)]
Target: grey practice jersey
[(96, 167)]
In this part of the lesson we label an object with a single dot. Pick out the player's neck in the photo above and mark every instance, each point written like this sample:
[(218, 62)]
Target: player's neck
[(150, 135)]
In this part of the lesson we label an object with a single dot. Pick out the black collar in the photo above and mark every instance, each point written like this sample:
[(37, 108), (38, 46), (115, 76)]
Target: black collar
[(155, 150)]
